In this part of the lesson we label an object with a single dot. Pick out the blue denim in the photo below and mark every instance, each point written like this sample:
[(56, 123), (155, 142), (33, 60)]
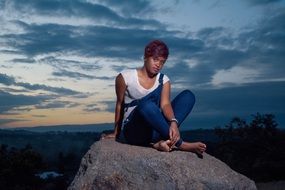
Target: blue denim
[(148, 124)]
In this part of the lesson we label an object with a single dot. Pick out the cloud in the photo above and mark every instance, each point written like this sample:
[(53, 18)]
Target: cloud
[(213, 49), (14, 104), (41, 116), (58, 90), (262, 2), (217, 106), (9, 101), (8, 81), (93, 108), (101, 106), (109, 105), (130, 8), (265, 45), (25, 60), (71, 63), (235, 75), (258, 50), (97, 13), (215, 61), (77, 75), (53, 104), (240, 100), (6, 121), (92, 41)]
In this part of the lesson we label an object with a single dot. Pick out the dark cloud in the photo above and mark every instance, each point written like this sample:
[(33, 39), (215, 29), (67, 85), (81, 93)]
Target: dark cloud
[(71, 74), (77, 75), (93, 108), (6, 121), (41, 116), (265, 45), (110, 105), (9, 101), (82, 9), (61, 90), (12, 90), (56, 104), (130, 8), (218, 106), (118, 68), (88, 41), (262, 2), (208, 33), (26, 60), (250, 98), (101, 106), (7, 80), (260, 46), (62, 64)]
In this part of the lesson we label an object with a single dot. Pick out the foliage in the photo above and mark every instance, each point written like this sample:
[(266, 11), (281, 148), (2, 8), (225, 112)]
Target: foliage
[(255, 149), (50, 151), (18, 168)]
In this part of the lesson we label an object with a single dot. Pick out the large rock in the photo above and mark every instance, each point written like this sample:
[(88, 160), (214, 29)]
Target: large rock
[(112, 165)]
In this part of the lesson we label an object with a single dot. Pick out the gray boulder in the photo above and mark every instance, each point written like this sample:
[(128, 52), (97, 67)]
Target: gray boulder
[(112, 165)]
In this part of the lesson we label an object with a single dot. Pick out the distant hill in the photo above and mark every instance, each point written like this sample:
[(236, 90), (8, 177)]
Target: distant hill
[(70, 128)]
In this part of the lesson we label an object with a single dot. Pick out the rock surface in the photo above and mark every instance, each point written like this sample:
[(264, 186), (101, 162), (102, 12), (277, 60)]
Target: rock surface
[(112, 165)]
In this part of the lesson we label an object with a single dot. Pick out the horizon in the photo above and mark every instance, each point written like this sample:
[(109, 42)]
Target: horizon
[(59, 59), (100, 127)]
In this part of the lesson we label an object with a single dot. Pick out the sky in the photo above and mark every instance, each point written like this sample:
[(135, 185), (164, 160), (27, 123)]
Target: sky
[(59, 58)]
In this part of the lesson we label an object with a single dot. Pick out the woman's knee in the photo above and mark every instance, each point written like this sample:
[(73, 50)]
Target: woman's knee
[(147, 108), (189, 95)]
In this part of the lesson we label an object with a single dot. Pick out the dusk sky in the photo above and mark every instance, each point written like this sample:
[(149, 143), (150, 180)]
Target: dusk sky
[(59, 58)]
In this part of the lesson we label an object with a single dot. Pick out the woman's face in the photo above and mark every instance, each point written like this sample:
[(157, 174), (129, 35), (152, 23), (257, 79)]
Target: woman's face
[(154, 64)]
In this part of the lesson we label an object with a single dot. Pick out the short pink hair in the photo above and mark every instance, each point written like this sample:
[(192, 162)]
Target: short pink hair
[(156, 49)]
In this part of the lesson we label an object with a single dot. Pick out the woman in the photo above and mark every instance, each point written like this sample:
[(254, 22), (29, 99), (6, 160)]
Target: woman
[(143, 107)]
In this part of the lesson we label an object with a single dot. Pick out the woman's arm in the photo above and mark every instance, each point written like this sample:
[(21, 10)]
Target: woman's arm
[(120, 86), (167, 110)]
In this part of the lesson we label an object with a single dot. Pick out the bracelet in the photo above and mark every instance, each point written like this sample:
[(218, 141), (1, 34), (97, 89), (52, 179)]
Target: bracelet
[(174, 120)]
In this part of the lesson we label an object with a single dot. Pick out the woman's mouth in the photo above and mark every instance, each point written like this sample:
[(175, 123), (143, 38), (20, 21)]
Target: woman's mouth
[(156, 70)]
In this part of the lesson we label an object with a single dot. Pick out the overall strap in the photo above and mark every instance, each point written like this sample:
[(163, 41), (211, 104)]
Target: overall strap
[(136, 102), (161, 79)]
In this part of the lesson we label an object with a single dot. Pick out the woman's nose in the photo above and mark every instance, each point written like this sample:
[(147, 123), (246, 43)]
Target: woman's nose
[(158, 63)]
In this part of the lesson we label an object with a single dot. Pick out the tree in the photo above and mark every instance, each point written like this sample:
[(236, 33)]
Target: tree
[(18, 168), (255, 149)]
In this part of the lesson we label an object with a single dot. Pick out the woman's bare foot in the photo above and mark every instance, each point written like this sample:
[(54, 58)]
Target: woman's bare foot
[(163, 146), (196, 147)]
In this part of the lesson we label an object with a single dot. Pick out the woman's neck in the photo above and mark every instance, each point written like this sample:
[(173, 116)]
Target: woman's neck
[(145, 73)]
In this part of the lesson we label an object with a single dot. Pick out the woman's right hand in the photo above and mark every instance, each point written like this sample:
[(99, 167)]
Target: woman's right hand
[(108, 136), (174, 134)]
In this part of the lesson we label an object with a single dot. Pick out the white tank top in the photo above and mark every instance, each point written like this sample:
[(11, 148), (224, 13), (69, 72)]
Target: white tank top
[(134, 90)]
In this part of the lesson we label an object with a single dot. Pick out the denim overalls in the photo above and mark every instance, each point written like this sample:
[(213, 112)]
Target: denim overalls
[(146, 123), (136, 130), (153, 96)]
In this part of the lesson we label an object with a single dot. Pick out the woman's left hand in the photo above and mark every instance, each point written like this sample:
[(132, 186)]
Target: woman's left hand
[(174, 133)]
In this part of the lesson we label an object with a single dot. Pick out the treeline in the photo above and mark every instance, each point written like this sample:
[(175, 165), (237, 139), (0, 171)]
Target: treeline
[(255, 149), (24, 155), (18, 168)]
